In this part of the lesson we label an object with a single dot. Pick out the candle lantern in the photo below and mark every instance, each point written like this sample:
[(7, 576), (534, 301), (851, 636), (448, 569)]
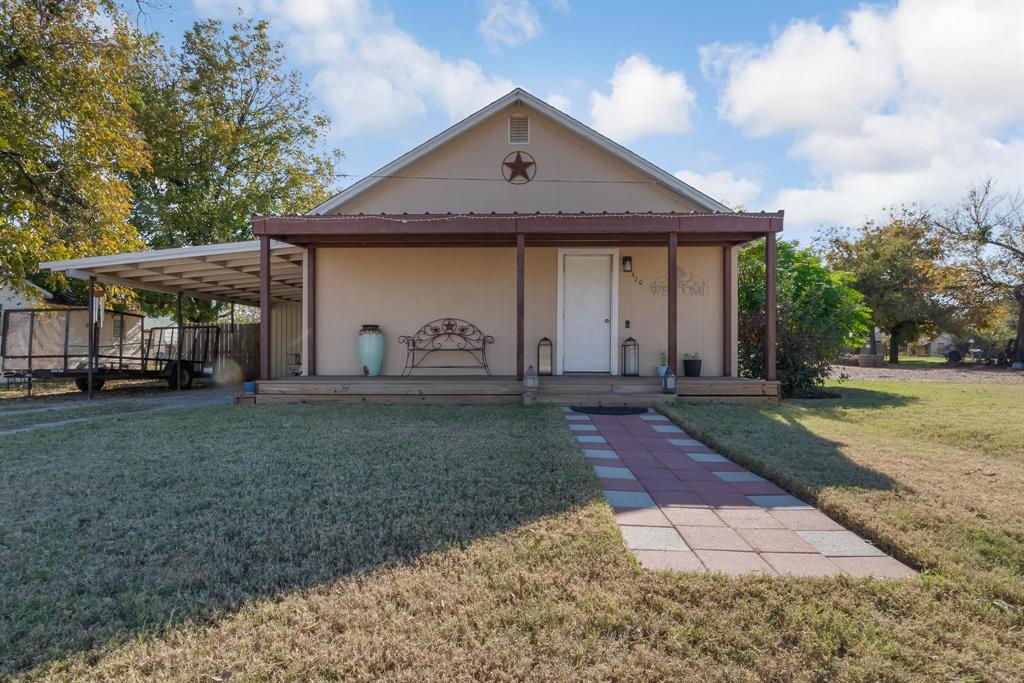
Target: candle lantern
[(630, 357), (668, 382), (545, 356)]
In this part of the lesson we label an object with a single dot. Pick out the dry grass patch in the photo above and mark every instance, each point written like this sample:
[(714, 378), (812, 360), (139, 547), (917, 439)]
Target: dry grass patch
[(405, 543)]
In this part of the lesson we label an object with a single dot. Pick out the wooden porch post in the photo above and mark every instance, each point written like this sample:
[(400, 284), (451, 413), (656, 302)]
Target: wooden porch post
[(727, 311), (264, 307), (520, 304), (181, 342), (770, 263), (311, 311), (92, 332), (673, 298)]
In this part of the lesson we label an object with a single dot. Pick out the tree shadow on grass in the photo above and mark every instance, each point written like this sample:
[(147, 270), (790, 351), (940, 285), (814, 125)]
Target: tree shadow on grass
[(124, 527), (772, 441)]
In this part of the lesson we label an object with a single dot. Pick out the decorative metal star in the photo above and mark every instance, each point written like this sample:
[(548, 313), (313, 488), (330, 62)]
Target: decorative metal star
[(518, 168)]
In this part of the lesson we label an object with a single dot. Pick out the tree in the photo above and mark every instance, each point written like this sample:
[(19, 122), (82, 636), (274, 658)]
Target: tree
[(818, 314), (895, 266), (67, 131), (232, 135), (983, 237)]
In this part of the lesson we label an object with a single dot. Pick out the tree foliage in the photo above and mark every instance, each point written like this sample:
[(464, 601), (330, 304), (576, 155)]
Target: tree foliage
[(983, 253), (68, 134), (818, 314), (232, 134), (895, 265)]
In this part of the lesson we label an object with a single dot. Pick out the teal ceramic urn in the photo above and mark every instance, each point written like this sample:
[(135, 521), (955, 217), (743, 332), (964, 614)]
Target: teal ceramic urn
[(371, 350)]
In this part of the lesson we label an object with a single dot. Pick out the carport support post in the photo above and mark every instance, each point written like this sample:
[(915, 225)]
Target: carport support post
[(181, 341), (264, 307), (520, 304), (310, 293), (673, 300), (770, 307), (92, 330)]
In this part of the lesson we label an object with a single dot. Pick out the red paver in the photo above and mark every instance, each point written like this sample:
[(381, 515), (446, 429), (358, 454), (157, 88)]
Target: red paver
[(675, 560), (733, 563), (712, 538), (801, 564), (727, 531), (692, 516), (776, 541)]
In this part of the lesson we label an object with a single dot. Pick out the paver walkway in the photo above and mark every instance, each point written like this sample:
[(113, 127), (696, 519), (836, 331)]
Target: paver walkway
[(682, 506)]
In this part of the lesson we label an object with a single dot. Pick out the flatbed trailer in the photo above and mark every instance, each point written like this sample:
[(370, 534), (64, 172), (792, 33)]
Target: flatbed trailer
[(53, 343)]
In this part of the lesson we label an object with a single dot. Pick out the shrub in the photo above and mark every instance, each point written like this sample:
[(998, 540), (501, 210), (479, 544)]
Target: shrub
[(818, 313)]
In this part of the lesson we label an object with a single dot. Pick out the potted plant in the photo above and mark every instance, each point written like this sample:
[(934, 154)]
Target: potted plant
[(662, 366), (691, 364)]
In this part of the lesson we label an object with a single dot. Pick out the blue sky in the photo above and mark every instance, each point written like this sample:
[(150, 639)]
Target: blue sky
[(831, 111)]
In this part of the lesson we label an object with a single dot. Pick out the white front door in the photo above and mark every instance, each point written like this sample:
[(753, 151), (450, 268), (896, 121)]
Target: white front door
[(587, 311)]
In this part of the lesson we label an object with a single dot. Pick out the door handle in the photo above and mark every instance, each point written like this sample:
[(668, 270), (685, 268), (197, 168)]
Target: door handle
[(607, 320)]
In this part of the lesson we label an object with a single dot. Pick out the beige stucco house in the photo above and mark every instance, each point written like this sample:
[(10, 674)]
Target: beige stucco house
[(520, 221)]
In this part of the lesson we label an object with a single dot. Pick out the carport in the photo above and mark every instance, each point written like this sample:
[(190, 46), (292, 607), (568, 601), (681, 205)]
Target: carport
[(228, 273)]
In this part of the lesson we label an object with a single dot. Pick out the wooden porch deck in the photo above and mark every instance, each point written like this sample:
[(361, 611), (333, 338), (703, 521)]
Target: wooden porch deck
[(604, 390)]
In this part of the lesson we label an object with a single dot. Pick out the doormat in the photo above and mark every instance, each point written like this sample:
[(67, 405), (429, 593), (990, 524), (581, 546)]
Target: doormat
[(602, 410)]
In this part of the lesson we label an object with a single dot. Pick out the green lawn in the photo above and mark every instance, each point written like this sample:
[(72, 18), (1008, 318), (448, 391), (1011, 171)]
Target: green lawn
[(418, 543)]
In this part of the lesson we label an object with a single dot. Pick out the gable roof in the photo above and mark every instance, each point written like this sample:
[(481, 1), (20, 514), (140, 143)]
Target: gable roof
[(657, 174)]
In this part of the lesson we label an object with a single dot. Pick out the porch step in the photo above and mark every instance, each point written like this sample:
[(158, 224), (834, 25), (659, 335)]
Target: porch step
[(627, 400), (377, 386), (579, 386)]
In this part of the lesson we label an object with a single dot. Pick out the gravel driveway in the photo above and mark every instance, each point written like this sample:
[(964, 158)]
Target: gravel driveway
[(941, 373)]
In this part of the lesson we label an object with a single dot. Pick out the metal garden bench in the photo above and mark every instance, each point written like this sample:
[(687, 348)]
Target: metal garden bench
[(446, 335)]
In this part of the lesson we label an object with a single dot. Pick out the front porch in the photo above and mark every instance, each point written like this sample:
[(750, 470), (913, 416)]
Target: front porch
[(600, 390)]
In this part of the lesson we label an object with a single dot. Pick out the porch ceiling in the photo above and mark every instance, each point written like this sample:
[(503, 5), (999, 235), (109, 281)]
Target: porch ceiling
[(538, 229), (222, 272)]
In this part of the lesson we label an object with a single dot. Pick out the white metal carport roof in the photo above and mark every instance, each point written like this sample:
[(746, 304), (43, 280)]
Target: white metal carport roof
[(223, 272)]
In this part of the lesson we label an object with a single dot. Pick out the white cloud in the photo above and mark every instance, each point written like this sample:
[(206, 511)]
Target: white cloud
[(904, 104), (645, 100), (724, 187), (510, 23), (372, 77), (560, 102)]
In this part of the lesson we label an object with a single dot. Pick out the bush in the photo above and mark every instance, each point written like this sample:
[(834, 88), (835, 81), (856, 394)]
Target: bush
[(818, 314)]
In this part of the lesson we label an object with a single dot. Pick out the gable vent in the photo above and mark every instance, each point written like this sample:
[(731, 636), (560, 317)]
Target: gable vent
[(518, 130)]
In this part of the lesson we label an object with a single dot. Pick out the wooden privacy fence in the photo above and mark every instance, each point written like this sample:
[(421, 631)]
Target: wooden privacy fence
[(240, 343)]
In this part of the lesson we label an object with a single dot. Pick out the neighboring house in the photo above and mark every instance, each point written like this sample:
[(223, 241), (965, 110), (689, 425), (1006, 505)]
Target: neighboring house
[(518, 219), (936, 347)]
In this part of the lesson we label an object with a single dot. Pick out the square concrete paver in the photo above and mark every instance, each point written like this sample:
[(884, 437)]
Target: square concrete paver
[(748, 518), (733, 563), (596, 453), (642, 517), (878, 567), (582, 428), (629, 499), (692, 516), (613, 472), (775, 541), (739, 476), (652, 538), (777, 502), (667, 429), (577, 417), (654, 418), (712, 538), (707, 457), (669, 560), (801, 564), (805, 520), (685, 442), (840, 544), (591, 438)]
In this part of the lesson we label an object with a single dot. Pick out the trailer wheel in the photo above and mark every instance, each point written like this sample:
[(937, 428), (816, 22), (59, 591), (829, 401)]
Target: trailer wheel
[(82, 383), (186, 375)]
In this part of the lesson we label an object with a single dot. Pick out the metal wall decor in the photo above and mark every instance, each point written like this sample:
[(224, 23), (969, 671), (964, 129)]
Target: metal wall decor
[(687, 283), (518, 168), (545, 356)]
